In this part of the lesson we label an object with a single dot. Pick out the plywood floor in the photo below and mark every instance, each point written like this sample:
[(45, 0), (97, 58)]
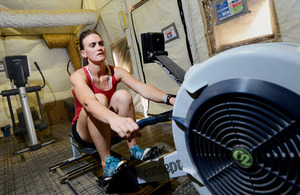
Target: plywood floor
[(28, 173)]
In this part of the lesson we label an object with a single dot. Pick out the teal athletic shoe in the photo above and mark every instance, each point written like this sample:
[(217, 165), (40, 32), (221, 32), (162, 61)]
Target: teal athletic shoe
[(140, 153), (112, 166)]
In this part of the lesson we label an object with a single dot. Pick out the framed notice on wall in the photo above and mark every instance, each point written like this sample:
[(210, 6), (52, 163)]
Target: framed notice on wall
[(226, 10), (170, 33), (232, 23)]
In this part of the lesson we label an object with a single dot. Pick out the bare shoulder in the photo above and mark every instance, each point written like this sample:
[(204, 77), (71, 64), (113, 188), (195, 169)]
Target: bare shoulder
[(120, 73), (124, 76), (78, 75), (118, 69)]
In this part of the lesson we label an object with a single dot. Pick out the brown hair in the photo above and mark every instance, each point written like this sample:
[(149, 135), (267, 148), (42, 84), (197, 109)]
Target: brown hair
[(85, 34)]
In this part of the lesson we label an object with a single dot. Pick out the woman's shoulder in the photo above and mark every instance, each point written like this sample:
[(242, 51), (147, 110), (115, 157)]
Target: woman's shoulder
[(119, 73), (78, 74), (119, 70)]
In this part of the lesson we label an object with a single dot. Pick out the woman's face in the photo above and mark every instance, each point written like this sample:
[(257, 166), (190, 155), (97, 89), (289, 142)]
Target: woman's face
[(94, 48)]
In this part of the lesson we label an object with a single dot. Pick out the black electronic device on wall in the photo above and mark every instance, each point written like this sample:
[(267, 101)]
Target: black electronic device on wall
[(153, 45)]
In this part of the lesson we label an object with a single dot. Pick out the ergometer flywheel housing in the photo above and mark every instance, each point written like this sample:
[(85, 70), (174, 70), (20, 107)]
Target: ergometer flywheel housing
[(240, 122)]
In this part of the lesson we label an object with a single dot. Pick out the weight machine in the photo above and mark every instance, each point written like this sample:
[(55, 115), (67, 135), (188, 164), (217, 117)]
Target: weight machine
[(17, 69)]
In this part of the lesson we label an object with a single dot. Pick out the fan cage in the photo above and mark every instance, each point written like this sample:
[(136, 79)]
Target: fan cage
[(267, 131)]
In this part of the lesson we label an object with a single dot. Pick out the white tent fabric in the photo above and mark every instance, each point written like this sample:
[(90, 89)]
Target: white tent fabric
[(41, 4), (288, 14), (47, 18), (153, 16), (195, 30), (150, 17)]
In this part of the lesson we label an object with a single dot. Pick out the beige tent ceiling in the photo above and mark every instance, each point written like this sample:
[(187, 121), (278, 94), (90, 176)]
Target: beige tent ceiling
[(36, 22)]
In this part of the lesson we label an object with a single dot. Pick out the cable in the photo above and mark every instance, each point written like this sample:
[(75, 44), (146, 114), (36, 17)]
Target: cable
[(184, 27), (37, 67), (68, 68)]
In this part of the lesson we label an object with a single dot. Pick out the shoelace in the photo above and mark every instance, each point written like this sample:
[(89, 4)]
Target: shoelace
[(137, 152), (111, 159)]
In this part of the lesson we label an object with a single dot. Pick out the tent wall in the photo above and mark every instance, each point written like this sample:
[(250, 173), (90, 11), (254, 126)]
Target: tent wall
[(152, 16), (288, 14)]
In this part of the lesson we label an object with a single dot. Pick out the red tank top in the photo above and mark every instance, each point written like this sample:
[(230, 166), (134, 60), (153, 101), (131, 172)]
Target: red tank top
[(96, 90)]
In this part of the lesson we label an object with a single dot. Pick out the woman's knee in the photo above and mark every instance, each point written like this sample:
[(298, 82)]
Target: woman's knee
[(122, 97)]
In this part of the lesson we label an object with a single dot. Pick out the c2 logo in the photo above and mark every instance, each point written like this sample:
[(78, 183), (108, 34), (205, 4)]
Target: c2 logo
[(242, 157)]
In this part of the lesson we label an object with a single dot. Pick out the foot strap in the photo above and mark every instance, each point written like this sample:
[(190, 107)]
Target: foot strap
[(154, 152)]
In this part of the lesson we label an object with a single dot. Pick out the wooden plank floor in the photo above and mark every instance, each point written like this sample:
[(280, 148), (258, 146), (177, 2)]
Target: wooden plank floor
[(28, 173)]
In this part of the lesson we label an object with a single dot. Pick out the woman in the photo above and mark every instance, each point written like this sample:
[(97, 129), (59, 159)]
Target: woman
[(105, 109)]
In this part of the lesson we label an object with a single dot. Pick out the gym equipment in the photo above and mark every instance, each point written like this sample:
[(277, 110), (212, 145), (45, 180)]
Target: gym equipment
[(17, 69), (236, 121), (153, 46)]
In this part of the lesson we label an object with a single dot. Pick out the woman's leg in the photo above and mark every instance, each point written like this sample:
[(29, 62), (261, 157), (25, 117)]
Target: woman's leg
[(122, 103), (95, 131)]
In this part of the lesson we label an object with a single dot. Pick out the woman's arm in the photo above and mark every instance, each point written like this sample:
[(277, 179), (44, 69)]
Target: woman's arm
[(123, 126), (147, 91)]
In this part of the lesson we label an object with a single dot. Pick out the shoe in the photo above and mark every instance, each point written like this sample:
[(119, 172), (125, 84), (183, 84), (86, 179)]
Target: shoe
[(112, 166), (138, 153)]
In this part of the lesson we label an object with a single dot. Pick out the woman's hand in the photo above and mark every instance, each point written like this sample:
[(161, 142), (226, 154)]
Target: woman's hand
[(127, 128)]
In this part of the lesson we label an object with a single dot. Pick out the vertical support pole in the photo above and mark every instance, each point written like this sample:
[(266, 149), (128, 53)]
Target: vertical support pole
[(11, 113), (40, 106), (33, 141)]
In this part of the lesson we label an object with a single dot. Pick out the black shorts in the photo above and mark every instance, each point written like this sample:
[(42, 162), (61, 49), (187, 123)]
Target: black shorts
[(78, 138)]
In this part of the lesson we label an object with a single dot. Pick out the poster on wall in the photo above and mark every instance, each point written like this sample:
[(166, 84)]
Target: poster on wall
[(240, 22), (226, 10), (170, 33)]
